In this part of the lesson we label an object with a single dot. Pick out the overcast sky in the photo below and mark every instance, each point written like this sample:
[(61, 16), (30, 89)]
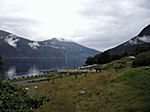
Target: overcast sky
[(99, 24)]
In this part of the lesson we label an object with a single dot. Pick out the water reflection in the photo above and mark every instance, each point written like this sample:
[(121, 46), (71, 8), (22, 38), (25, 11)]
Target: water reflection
[(32, 66), (33, 71), (11, 73)]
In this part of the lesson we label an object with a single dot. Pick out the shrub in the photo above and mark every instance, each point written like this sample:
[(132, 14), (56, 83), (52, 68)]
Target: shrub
[(103, 58), (16, 99), (142, 59)]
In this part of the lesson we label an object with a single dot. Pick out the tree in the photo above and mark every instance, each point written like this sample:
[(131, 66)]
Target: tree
[(89, 61), (142, 59), (104, 57)]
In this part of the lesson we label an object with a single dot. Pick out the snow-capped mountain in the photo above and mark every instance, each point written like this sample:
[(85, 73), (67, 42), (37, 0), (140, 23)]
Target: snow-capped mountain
[(11, 40), (15, 46), (23, 54), (139, 41)]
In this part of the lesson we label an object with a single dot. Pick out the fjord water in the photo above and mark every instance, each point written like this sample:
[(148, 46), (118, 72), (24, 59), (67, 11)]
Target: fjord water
[(22, 66)]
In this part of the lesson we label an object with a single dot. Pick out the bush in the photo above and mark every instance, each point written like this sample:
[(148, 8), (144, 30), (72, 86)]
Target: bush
[(16, 99), (103, 58), (142, 59)]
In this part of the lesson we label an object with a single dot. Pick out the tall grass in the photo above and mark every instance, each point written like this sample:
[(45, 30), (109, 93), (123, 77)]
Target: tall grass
[(125, 91)]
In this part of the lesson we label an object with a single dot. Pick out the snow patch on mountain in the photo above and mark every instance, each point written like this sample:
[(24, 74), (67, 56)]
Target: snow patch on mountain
[(50, 44), (54, 46), (34, 45), (62, 40), (53, 43), (138, 40), (12, 40), (133, 42), (145, 39), (46, 44)]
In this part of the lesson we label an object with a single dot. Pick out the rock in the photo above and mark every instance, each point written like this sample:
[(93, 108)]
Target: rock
[(27, 88), (147, 68), (82, 92)]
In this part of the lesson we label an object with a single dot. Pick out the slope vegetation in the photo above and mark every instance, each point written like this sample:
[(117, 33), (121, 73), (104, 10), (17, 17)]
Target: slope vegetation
[(108, 91)]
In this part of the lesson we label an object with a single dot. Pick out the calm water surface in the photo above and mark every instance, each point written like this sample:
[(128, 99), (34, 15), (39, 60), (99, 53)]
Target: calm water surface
[(22, 66)]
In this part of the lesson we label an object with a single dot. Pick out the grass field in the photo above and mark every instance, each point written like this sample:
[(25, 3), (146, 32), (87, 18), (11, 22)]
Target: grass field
[(108, 91)]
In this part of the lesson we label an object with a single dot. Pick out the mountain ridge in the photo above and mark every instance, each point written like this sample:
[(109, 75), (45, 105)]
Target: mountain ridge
[(58, 47), (24, 54), (130, 46), (134, 46)]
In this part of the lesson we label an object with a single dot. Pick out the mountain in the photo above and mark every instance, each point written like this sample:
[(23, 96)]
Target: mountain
[(139, 42), (14, 49), (15, 46), (136, 45)]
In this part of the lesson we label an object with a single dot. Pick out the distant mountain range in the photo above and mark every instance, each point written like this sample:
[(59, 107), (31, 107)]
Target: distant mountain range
[(15, 46), (23, 54), (140, 41)]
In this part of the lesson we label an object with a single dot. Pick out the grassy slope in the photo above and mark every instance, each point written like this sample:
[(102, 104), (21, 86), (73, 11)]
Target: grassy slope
[(126, 91)]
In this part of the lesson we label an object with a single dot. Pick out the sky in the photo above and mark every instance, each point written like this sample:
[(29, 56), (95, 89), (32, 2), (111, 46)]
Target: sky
[(98, 24)]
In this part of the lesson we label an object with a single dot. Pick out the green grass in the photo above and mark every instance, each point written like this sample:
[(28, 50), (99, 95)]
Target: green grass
[(132, 90), (123, 62), (108, 91)]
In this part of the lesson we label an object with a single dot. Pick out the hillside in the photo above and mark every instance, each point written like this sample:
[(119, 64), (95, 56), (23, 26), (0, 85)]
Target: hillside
[(139, 42), (107, 91), (136, 45)]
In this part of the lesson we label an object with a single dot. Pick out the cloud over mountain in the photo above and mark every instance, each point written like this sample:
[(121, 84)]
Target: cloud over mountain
[(99, 24)]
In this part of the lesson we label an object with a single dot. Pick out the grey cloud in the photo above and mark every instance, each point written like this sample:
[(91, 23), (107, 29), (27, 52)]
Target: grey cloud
[(19, 26), (108, 22), (97, 8), (17, 21), (143, 4), (115, 21)]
